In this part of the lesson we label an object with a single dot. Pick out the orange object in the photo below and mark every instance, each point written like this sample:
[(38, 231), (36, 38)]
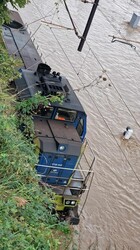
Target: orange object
[(60, 118)]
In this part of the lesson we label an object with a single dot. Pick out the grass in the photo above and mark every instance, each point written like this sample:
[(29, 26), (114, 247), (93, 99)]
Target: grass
[(26, 221)]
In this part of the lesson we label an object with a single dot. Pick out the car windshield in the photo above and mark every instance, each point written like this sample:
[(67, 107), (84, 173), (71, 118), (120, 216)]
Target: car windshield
[(65, 115)]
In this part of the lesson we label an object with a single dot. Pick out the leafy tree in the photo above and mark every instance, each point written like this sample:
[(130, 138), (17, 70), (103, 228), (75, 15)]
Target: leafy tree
[(7, 68), (4, 12)]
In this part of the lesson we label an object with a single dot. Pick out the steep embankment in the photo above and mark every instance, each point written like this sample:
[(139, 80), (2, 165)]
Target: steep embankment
[(26, 221)]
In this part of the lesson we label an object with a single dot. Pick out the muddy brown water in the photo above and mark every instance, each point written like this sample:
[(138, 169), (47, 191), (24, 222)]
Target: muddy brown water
[(111, 217)]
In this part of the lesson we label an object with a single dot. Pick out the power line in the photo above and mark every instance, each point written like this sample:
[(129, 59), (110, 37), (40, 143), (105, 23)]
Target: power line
[(116, 28), (108, 75), (96, 104), (106, 122), (27, 40), (56, 25), (64, 51), (78, 89), (105, 73), (121, 7), (59, 43), (56, 40), (134, 2), (100, 112), (121, 38), (111, 80), (114, 137), (86, 1), (88, 24), (39, 10), (33, 32), (39, 19), (115, 88), (102, 69), (56, 11), (97, 79), (110, 130), (74, 27), (124, 41), (84, 60)]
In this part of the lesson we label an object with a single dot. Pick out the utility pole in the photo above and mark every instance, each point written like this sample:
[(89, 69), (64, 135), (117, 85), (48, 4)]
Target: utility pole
[(83, 38)]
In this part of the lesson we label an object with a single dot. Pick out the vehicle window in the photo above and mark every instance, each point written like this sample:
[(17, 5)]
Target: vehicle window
[(80, 127), (66, 115), (43, 111)]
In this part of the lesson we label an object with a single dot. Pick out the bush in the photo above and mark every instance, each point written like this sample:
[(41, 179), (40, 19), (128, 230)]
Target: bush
[(26, 221)]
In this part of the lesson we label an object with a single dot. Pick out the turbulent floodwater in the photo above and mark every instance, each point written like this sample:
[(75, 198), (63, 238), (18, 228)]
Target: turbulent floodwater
[(111, 217)]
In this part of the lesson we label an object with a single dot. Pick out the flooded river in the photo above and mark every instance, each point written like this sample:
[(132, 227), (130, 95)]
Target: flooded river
[(110, 75)]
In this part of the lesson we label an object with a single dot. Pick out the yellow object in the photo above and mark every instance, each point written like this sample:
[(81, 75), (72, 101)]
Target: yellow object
[(37, 143), (59, 206)]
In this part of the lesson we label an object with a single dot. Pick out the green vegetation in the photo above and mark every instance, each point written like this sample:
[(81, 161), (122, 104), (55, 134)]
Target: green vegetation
[(26, 221), (27, 108), (4, 12)]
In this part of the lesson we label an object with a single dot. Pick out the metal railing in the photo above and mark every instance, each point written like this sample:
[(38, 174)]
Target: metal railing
[(84, 168)]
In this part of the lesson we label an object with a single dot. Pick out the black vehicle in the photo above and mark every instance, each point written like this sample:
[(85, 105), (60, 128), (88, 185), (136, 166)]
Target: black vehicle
[(60, 129)]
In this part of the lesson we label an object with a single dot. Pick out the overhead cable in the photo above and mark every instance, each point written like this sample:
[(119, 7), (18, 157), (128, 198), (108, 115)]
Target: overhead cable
[(116, 28), (19, 50), (39, 19), (86, 1), (96, 104), (74, 27), (115, 87), (101, 113), (123, 38), (57, 25), (84, 60)]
